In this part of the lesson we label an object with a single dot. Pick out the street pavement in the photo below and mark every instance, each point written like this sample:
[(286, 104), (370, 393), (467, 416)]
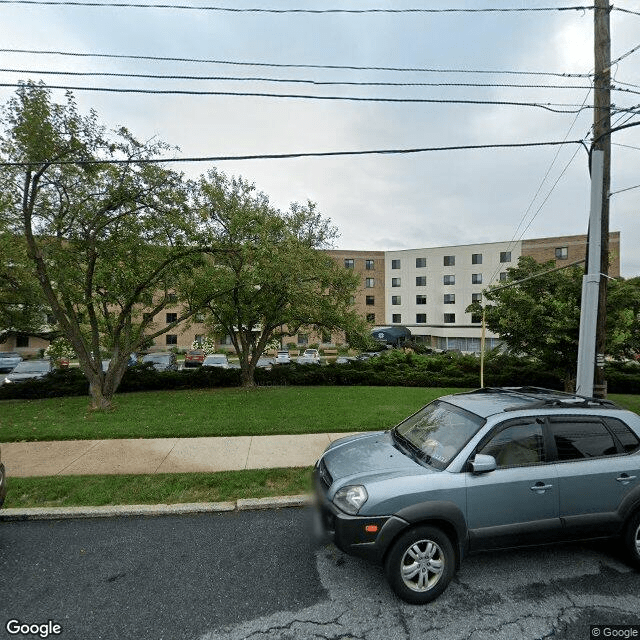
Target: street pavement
[(162, 455)]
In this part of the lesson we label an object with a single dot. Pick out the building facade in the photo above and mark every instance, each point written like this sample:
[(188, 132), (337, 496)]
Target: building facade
[(426, 290)]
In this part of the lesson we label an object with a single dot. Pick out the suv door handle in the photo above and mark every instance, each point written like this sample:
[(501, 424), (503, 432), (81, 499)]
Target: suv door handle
[(625, 479), (541, 487)]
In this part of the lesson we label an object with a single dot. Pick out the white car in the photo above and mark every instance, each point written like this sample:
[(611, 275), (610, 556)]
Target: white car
[(310, 356), (216, 360), (283, 357)]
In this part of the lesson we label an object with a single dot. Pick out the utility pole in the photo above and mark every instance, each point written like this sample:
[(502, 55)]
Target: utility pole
[(602, 142)]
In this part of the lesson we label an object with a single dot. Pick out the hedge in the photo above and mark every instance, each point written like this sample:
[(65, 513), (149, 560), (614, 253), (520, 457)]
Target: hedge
[(393, 368)]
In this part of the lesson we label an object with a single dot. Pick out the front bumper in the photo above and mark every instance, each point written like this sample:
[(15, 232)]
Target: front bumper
[(364, 536), (3, 484)]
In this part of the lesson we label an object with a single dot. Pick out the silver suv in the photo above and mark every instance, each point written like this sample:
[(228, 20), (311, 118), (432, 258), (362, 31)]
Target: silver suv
[(492, 468)]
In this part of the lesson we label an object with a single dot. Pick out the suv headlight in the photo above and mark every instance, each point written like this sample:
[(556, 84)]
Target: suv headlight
[(351, 498)]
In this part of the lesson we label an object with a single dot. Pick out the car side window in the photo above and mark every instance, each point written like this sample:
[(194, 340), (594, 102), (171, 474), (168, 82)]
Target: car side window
[(627, 438), (578, 439), (517, 445)]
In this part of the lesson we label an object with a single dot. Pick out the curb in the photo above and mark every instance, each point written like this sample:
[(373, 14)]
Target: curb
[(112, 511)]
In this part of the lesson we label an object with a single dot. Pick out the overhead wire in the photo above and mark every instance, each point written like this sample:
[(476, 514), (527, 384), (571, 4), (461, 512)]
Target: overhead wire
[(152, 76), (284, 156), (548, 106), (273, 10), (77, 54)]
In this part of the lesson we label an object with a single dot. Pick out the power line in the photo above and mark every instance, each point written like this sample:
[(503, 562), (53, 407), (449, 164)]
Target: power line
[(549, 106), (84, 3), (635, 13), (315, 154), (613, 193), (294, 65), (628, 146), (622, 57), (150, 76)]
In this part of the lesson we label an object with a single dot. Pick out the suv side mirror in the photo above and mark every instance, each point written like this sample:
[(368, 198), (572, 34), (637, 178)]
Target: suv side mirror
[(483, 463)]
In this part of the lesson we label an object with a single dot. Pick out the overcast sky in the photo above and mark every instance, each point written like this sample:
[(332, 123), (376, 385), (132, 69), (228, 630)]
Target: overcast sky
[(377, 202)]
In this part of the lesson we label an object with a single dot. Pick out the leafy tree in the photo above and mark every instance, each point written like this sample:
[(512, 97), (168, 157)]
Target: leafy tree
[(540, 317), (110, 245), (270, 277)]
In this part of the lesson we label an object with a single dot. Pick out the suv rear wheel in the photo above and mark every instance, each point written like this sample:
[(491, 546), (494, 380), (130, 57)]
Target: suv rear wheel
[(420, 564), (632, 540)]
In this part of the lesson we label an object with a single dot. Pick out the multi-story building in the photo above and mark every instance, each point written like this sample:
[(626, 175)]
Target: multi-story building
[(427, 290)]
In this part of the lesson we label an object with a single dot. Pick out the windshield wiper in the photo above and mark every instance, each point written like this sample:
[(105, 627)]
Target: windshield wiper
[(414, 449)]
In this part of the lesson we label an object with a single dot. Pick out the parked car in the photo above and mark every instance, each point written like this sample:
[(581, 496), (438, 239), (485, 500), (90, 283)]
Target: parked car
[(310, 356), (216, 360), (282, 357), (344, 359), (3, 482), (194, 358), (8, 360), (265, 363), (486, 469), (29, 370), (162, 361), (133, 360)]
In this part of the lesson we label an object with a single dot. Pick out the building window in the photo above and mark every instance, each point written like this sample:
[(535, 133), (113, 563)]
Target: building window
[(449, 280), (352, 299), (449, 298), (505, 256), (449, 318), (22, 341), (395, 264), (172, 297), (476, 278), (326, 337), (371, 317), (395, 282), (369, 283), (348, 263), (171, 338), (396, 317), (476, 318), (476, 297), (562, 253), (421, 318), (421, 299), (421, 281), (303, 338), (198, 339), (395, 300), (369, 264), (476, 258), (449, 261), (370, 300), (227, 340), (171, 317), (421, 263), (503, 276)]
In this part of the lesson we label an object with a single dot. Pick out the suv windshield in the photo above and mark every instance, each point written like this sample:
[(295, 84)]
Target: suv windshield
[(157, 359), (438, 432)]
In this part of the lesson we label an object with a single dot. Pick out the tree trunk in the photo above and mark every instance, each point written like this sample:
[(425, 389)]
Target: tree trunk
[(246, 377), (100, 401)]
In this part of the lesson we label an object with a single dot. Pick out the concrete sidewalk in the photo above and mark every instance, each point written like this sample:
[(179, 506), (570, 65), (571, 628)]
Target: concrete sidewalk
[(162, 455)]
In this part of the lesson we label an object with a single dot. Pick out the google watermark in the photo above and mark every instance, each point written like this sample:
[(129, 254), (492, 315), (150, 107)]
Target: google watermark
[(626, 631), (39, 629)]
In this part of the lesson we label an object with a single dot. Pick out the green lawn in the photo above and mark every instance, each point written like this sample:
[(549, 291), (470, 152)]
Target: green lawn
[(215, 412), (65, 491)]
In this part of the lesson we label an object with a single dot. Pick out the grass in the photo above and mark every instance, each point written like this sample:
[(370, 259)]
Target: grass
[(214, 412), (66, 491)]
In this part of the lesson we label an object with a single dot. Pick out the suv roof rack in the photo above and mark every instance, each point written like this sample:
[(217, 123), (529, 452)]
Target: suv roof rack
[(567, 400)]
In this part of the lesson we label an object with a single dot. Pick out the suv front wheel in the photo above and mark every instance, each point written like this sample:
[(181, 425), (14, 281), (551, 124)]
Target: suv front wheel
[(420, 564)]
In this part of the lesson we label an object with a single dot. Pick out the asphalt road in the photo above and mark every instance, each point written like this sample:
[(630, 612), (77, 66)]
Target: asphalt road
[(259, 575)]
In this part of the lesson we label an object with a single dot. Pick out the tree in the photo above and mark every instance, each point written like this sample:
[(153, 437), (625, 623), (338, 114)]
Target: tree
[(270, 277), (540, 317), (110, 245)]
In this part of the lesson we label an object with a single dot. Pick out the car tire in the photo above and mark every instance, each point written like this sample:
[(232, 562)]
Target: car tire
[(632, 540), (420, 564)]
